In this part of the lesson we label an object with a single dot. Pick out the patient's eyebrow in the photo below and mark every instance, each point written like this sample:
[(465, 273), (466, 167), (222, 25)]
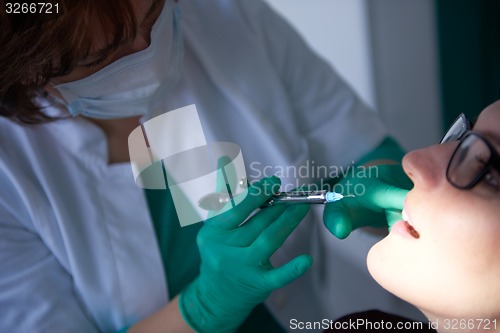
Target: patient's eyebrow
[(495, 139)]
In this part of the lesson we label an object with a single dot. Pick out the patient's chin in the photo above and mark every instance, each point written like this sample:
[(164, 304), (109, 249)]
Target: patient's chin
[(375, 261), (392, 270), (383, 267)]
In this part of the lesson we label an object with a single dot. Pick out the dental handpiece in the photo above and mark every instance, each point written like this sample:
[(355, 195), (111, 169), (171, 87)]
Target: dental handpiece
[(215, 201)]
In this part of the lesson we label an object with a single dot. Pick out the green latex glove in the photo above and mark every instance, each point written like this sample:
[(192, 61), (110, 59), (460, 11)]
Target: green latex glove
[(380, 204), (236, 273), (379, 194)]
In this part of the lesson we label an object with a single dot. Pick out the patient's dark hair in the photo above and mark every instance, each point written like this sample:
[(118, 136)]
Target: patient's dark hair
[(40, 46)]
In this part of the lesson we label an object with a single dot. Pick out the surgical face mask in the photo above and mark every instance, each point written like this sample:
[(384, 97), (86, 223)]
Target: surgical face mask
[(135, 84)]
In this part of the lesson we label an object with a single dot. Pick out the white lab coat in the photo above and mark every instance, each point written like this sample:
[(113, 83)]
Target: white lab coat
[(78, 251)]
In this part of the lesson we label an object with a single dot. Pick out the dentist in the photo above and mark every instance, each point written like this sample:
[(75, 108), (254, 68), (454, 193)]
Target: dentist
[(83, 249)]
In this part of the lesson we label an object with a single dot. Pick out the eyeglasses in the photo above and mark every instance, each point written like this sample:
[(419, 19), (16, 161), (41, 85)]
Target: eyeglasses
[(473, 156)]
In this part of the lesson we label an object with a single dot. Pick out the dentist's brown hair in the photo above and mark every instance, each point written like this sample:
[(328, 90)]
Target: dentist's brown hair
[(36, 47)]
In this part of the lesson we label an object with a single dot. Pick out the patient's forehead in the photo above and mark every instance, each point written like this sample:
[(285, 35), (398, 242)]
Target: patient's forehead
[(492, 112)]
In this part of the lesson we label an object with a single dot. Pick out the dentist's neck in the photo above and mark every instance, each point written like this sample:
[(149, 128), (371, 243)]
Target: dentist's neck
[(117, 132)]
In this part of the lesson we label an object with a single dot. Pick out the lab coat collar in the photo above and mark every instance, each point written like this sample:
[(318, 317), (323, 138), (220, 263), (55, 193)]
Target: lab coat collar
[(110, 233), (88, 143)]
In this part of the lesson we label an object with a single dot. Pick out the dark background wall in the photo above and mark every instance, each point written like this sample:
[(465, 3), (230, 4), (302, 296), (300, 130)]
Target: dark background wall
[(469, 55)]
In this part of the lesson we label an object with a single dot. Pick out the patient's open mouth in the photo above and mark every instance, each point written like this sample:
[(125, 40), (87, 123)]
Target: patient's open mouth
[(405, 228), (412, 230), (408, 225)]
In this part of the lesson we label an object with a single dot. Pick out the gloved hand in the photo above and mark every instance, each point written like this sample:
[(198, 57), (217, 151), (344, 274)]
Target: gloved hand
[(236, 273), (378, 201)]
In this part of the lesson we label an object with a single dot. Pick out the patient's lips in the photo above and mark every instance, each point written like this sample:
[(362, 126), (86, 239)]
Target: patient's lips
[(404, 227)]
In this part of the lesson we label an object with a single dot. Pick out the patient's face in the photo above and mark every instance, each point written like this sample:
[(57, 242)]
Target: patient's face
[(453, 268)]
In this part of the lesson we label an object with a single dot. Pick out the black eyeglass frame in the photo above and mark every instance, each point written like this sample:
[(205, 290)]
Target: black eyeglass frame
[(464, 123), (494, 159)]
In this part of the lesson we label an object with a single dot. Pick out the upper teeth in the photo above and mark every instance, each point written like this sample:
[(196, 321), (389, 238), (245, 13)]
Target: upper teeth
[(405, 216)]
